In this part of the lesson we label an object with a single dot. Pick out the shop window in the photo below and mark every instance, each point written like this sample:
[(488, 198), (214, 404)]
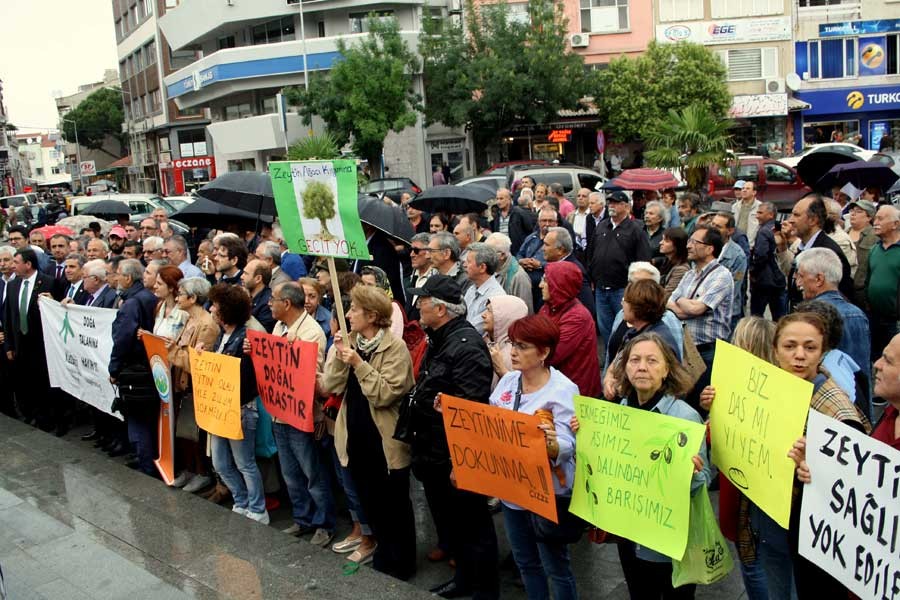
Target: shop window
[(278, 30), (684, 10), (604, 16), (832, 59), (746, 64), (726, 9), (893, 50), (831, 131), (359, 22)]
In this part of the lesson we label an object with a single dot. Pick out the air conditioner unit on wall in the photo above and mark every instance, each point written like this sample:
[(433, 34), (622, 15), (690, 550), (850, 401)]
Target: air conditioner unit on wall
[(579, 40), (774, 86)]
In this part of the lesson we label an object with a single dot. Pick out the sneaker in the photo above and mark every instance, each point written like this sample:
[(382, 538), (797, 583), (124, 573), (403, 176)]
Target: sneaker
[(197, 483), (182, 479), (321, 537), (241, 511), (363, 556), (297, 530), (348, 544), (262, 517)]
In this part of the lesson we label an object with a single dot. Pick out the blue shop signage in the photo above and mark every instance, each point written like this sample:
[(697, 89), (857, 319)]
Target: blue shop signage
[(851, 100), (858, 27)]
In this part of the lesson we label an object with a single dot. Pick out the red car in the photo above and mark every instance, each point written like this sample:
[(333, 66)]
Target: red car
[(775, 181)]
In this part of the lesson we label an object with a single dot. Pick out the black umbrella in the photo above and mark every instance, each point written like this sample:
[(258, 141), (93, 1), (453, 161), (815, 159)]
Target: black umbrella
[(860, 173), (814, 165), (388, 218), (453, 199), (250, 191), (103, 208), (203, 212)]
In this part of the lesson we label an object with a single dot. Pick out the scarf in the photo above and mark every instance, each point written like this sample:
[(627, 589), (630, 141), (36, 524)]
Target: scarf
[(368, 346)]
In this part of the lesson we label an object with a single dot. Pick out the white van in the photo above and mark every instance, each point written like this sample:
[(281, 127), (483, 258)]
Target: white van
[(139, 204)]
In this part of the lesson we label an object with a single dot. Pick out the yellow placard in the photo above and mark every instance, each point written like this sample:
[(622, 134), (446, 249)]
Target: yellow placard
[(758, 414), (216, 380)]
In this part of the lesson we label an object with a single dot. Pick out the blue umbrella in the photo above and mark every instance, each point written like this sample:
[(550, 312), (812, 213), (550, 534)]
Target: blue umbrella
[(860, 173)]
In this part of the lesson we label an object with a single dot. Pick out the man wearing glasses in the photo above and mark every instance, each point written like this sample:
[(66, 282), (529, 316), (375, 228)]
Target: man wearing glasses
[(422, 269)]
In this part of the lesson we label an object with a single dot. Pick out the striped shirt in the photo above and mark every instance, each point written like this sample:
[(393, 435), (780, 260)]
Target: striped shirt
[(716, 291)]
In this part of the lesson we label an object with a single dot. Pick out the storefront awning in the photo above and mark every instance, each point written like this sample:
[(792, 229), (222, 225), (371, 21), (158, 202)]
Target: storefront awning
[(796, 104)]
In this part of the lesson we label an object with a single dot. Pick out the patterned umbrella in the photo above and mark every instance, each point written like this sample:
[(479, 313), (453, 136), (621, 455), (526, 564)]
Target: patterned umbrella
[(50, 230), (645, 179)]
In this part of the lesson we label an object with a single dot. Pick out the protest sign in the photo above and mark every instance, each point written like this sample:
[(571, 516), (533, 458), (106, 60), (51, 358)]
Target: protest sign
[(758, 414), (499, 452), (285, 377), (317, 207), (158, 355), (217, 393), (633, 472), (850, 515), (78, 343)]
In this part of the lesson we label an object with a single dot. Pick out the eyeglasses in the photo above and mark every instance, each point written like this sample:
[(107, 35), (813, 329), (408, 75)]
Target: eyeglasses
[(274, 299), (418, 250), (693, 241), (522, 346)]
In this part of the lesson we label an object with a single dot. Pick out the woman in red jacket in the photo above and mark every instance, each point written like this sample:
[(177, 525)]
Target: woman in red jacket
[(576, 354)]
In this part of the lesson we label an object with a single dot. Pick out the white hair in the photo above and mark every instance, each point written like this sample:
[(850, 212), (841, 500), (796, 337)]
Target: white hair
[(663, 211), (642, 265), (95, 268), (821, 260), (8, 250), (499, 242), (217, 241), (154, 242)]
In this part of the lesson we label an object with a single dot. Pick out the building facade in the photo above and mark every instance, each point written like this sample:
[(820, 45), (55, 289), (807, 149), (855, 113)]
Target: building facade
[(847, 55), (46, 158), (13, 171), (160, 133)]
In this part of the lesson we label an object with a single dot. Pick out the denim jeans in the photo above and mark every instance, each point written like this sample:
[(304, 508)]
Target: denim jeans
[(235, 462), (773, 555), (346, 480), (306, 475), (537, 561), (609, 303), (754, 580)]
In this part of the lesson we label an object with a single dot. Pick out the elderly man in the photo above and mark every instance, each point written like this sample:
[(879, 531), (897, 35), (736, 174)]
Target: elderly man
[(809, 218), (512, 220), (152, 249), (97, 248), (745, 209), (884, 278), (531, 253), (578, 220), (481, 264), (558, 246), (733, 259), (176, 250), (149, 227), (443, 250), (269, 252), (689, 211), (511, 276), (466, 233), (422, 269), (656, 219), (768, 287), (97, 292)]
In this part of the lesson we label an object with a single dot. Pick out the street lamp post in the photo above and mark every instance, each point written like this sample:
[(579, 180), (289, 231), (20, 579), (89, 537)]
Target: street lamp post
[(77, 152)]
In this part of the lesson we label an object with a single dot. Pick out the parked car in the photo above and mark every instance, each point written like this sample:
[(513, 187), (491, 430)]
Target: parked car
[(842, 147), (775, 181), (503, 168), (17, 200), (179, 202), (140, 204), (891, 159), (494, 182), (572, 177), (392, 187)]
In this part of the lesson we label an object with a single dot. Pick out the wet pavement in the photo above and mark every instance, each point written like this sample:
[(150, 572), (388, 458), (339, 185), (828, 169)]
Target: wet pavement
[(75, 524)]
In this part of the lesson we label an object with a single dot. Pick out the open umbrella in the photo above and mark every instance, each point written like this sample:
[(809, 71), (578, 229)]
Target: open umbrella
[(49, 231), (104, 208), (815, 165), (388, 218), (79, 222), (246, 190), (645, 179), (860, 173), (203, 212), (453, 199)]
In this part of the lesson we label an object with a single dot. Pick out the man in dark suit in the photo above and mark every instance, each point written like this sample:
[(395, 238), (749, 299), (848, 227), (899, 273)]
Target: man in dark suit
[(512, 220), (7, 276), (596, 213), (74, 290), (97, 292), (59, 250), (24, 341), (810, 218)]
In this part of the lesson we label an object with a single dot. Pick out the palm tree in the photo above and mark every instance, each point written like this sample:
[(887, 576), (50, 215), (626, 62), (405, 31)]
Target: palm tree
[(689, 140), (315, 147)]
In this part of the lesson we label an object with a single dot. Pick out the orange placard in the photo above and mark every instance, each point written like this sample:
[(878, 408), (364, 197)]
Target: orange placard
[(158, 356), (285, 377), (499, 452), (217, 393)]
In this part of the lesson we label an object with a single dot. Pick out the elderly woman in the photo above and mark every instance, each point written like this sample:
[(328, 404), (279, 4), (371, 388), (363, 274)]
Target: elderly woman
[(376, 277), (374, 370), (235, 460), (534, 387), (170, 319), (500, 314), (840, 236), (673, 247), (652, 379), (199, 327), (863, 236)]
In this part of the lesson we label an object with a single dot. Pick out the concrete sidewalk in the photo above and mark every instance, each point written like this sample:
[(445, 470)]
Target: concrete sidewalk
[(75, 524)]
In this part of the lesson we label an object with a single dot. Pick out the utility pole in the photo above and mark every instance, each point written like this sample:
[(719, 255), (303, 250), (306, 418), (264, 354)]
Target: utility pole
[(77, 153)]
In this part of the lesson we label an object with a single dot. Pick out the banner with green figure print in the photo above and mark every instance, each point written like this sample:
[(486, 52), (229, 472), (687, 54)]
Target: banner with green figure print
[(317, 207), (633, 473)]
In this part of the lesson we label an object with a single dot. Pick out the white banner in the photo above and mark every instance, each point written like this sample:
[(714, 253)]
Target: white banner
[(78, 343), (850, 516), (727, 31)]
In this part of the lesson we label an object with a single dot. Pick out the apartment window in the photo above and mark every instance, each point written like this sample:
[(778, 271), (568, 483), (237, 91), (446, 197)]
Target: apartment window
[(320, 26), (138, 61), (269, 105), (726, 9), (150, 53), (747, 64), (122, 71), (190, 112), (134, 16), (604, 16), (136, 108), (226, 42), (279, 30), (147, 7), (832, 59), (178, 59), (38, 171), (682, 10), (242, 164), (54, 170), (192, 142), (120, 30), (815, 3), (238, 111), (155, 100), (163, 144), (359, 21)]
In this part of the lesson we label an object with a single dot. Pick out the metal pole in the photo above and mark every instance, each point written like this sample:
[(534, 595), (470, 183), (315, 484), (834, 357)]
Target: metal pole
[(77, 153), (303, 40)]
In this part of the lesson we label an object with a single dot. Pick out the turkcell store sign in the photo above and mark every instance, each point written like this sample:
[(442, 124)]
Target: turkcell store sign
[(851, 100), (858, 28), (728, 31)]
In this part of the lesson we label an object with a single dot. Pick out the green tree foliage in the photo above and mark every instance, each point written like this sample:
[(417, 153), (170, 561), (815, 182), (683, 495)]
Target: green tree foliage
[(690, 140), (315, 147), (492, 71), (634, 92), (97, 116), (318, 203), (368, 93)]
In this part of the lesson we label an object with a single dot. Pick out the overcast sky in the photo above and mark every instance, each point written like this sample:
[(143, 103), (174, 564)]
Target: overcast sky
[(48, 47)]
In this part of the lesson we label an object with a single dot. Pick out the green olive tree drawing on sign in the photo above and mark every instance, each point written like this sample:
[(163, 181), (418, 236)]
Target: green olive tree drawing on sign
[(318, 203)]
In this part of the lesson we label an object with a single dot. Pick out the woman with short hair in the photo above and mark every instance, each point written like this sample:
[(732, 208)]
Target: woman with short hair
[(675, 264)]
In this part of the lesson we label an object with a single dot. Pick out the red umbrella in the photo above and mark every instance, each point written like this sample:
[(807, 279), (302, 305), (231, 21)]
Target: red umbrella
[(645, 179), (51, 230)]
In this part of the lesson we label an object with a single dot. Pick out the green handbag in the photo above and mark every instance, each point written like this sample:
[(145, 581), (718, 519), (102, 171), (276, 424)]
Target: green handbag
[(707, 558)]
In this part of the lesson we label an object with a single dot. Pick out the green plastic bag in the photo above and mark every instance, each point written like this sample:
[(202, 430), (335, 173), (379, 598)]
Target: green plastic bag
[(707, 558)]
